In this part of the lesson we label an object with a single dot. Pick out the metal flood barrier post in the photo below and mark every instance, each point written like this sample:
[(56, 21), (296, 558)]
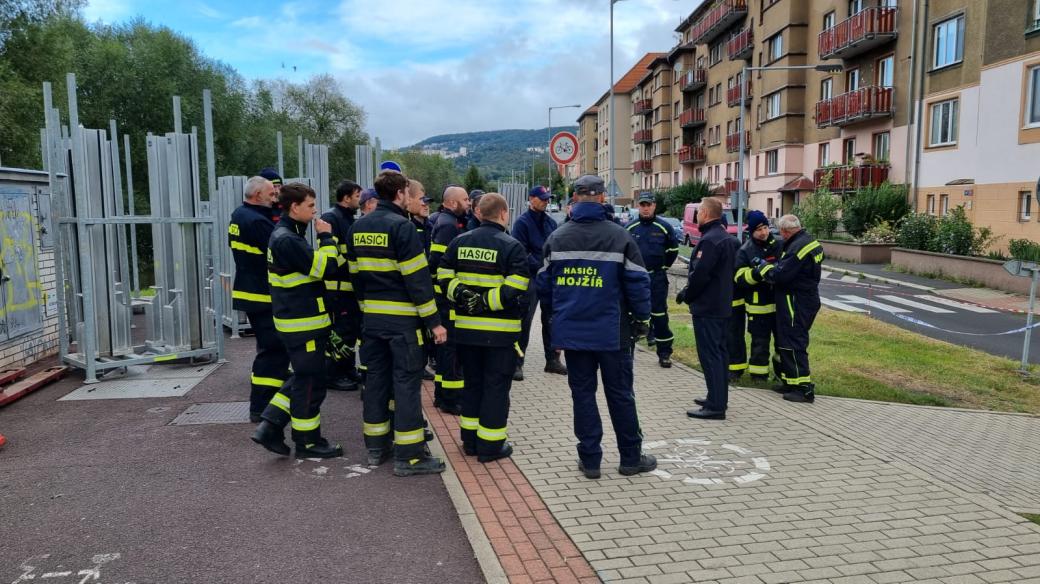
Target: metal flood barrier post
[(516, 198), (93, 265)]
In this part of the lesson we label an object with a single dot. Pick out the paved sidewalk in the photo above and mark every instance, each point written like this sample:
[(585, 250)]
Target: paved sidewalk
[(840, 491)]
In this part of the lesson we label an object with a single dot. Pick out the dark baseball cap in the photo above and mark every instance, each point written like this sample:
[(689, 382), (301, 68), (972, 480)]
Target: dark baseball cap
[(647, 197), (589, 184), (271, 175), (367, 195), (426, 200), (540, 192), (475, 194)]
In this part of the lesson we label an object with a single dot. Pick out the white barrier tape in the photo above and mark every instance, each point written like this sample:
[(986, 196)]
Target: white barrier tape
[(932, 326)]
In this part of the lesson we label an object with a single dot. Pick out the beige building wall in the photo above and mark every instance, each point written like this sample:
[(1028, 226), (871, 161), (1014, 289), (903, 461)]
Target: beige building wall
[(588, 142), (623, 138)]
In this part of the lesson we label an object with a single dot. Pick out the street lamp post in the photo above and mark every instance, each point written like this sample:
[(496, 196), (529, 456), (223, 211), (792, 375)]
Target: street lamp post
[(549, 141), (741, 189)]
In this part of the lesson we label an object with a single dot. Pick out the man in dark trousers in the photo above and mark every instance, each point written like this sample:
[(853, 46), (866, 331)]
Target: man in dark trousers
[(296, 273), (709, 292), (758, 295), (392, 280), (796, 280), (531, 229), (659, 247), (340, 298), (448, 223), (486, 278), (594, 281), (248, 233)]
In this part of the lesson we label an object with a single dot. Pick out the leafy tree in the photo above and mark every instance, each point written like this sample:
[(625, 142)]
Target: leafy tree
[(870, 206), (676, 198), (473, 179), (434, 172), (818, 213)]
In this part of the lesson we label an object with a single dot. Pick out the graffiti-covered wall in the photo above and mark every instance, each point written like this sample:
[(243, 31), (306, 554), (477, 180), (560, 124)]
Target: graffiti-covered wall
[(28, 305)]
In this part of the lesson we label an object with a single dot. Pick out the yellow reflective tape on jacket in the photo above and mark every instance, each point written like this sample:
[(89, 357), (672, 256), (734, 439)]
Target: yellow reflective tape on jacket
[(233, 229), (452, 286), (374, 265), (240, 295), (339, 286), (445, 274), (738, 302), (410, 437), (266, 381), (485, 280), (413, 265), (805, 250), (246, 248), (495, 299), (504, 325), (300, 325), (763, 309), (427, 308), (290, 280), (518, 282), (320, 262), (438, 248), (491, 434), (381, 429)]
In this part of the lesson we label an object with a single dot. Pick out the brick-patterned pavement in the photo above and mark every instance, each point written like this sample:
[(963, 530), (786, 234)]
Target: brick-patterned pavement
[(840, 491)]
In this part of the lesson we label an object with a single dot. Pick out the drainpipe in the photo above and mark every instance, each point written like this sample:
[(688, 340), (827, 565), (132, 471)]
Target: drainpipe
[(920, 100)]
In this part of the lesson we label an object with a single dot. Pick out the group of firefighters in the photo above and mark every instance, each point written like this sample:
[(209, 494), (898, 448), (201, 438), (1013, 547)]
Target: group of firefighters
[(387, 288)]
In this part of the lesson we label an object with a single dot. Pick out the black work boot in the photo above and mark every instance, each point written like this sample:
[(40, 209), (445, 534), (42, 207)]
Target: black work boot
[(320, 449), (589, 472), (647, 463), (418, 466), (255, 418), (801, 394), (505, 452), (759, 378), (343, 384), (735, 376), (555, 366), (271, 437), (469, 449), (781, 387), (665, 362), (518, 375), (377, 456)]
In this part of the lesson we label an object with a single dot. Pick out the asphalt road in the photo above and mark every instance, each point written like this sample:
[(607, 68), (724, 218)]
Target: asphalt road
[(109, 485)]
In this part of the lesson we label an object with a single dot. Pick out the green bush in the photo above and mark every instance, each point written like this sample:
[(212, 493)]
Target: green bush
[(818, 213), (882, 232), (1024, 249), (917, 231), (868, 207), (676, 198)]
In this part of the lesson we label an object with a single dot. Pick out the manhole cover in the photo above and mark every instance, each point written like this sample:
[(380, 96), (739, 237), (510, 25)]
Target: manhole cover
[(216, 413)]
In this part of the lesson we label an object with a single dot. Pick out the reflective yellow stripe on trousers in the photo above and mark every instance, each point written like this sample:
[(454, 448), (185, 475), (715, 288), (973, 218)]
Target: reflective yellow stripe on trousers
[(491, 434), (306, 424)]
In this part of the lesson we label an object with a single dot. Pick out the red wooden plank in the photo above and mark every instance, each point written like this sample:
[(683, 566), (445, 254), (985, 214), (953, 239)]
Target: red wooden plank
[(9, 375), (31, 384)]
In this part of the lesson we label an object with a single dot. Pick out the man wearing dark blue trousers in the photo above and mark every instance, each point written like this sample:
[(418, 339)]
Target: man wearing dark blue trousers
[(659, 247), (594, 282), (709, 292)]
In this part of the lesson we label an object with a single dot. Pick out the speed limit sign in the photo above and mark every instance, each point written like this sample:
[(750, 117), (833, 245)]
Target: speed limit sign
[(564, 148)]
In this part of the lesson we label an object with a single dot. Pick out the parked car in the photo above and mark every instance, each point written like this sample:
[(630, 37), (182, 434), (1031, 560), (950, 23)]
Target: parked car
[(554, 208), (692, 232), (623, 214), (675, 224)]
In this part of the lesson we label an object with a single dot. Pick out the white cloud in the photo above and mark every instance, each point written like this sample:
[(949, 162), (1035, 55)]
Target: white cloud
[(107, 11), (248, 22), (208, 11)]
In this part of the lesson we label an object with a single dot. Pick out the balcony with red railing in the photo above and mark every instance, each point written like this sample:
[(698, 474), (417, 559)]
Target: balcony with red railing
[(742, 45), (694, 79), (643, 106), (691, 154), (643, 136), (733, 141), (731, 185), (849, 108), (642, 165), (717, 19), (868, 28), (692, 117), (733, 95), (851, 178)]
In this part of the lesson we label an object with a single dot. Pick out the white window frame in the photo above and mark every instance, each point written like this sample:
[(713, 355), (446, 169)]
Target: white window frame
[(944, 204), (1025, 211), (829, 20), (848, 151), (886, 72), (824, 154), (855, 7), (1036, 15), (1033, 93), (930, 208), (886, 138), (941, 33), (853, 80), (935, 133), (773, 106), (827, 88), (772, 162), (776, 47)]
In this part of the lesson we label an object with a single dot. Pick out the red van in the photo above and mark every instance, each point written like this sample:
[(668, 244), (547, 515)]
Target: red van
[(692, 231)]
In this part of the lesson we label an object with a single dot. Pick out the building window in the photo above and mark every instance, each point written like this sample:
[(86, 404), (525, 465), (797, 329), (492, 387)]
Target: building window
[(848, 151), (930, 209), (776, 47), (852, 80), (715, 54), (885, 71), (772, 162), (769, 207), (1025, 206), (829, 20), (944, 204), (944, 123), (1033, 99), (948, 38), (773, 106), (855, 7), (826, 89), (1036, 16), (825, 154), (698, 174), (881, 145)]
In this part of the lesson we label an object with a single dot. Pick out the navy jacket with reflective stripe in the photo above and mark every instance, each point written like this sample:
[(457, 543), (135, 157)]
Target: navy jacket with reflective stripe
[(657, 242), (532, 229), (797, 273), (341, 219), (755, 291), (594, 282), (296, 275), (248, 234), (709, 289)]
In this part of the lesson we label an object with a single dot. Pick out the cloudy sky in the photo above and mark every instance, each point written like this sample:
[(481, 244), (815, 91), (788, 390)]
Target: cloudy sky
[(426, 67)]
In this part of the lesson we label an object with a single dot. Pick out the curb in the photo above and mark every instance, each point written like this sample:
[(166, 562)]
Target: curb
[(878, 278)]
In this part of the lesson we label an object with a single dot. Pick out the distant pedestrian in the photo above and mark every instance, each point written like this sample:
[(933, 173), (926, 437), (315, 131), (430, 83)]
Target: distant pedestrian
[(594, 281), (796, 281), (709, 292)]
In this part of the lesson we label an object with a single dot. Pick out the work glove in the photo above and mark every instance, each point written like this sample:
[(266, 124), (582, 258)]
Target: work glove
[(640, 328), (680, 297), (472, 302), (757, 262), (337, 349), (457, 297)]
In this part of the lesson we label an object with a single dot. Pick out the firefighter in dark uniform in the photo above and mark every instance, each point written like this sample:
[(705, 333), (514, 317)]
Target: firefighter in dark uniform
[(419, 215), (796, 281), (472, 218), (272, 175), (248, 233), (485, 276), (659, 247), (296, 273), (594, 281), (448, 223), (758, 295), (342, 303), (392, 279)]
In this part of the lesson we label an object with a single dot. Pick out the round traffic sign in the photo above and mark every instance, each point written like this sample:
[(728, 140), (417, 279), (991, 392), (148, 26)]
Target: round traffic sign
[(564, 148)]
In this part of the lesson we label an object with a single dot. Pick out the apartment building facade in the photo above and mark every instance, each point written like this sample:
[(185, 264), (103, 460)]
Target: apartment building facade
[(588, 142), (980, 114)]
